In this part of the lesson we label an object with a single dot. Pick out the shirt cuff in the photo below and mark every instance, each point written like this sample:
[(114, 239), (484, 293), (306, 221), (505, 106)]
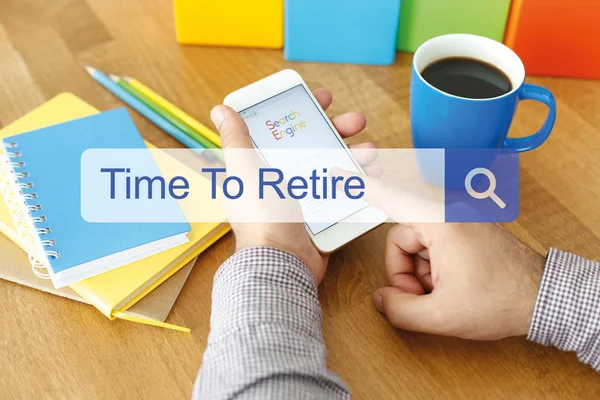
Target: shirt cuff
[(567, 311), (265, 285)]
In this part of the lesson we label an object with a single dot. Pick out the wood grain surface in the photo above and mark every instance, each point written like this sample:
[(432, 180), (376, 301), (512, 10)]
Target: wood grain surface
[(56, 348)]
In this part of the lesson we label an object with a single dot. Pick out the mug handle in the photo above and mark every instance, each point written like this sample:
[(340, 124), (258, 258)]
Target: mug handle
[(534, 92)]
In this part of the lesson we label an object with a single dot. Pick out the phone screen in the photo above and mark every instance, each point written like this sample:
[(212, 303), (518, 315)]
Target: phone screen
[(291, 120)]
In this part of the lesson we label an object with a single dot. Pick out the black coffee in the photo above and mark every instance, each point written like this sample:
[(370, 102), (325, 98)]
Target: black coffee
[(466, 77)]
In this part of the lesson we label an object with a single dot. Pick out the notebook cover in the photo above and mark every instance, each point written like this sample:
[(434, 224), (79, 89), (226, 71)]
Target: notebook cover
[(14, 264), (136, 275), (53, 159), (202, 244), (61, 108)]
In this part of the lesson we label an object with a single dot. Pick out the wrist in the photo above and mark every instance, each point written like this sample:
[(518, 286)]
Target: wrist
[(309, 256)]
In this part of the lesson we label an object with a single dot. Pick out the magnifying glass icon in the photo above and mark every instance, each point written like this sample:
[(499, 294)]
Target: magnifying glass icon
[(490, 192)]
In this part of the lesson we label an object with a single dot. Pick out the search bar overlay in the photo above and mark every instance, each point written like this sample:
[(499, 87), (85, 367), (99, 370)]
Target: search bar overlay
[(481, 185), (318, 186), (490, 192)]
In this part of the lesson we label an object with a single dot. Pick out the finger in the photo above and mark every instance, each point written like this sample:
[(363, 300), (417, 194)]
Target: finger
[(324, 97), (423, 272), (397, 203), (232, 128), (240, 160), (402, 243), (409, 311), (373, 170), (364, 153), (349, 124)]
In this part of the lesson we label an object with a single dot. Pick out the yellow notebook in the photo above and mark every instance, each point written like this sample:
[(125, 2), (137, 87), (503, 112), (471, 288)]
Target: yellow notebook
[(115, 291), (15, 267)]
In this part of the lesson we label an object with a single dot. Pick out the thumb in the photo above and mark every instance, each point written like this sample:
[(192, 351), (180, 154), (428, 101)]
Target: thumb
[(232, 128), (409, 311)]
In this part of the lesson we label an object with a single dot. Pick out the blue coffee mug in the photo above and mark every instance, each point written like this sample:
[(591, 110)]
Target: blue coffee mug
[(442, 120)]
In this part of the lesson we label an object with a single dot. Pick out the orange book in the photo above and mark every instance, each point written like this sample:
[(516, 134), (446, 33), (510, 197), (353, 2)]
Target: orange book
[(556, 37)]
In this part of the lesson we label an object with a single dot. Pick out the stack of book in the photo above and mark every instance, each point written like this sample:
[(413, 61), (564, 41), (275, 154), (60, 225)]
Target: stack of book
[(112, 266)]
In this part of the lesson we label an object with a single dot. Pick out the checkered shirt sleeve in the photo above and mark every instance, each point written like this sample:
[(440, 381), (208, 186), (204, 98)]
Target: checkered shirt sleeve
[(567, 311), (266, 337)]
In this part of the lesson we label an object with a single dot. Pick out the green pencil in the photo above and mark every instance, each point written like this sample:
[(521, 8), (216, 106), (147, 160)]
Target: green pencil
[(165, 114)]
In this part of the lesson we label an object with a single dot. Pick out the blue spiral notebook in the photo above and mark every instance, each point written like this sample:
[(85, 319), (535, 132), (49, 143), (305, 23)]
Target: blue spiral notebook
[(42, 173)]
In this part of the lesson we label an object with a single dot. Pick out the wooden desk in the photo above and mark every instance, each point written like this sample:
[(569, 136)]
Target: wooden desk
[(55, 348)]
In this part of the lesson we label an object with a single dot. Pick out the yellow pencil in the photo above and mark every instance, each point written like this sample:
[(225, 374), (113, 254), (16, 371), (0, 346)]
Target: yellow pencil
[(171, 108)]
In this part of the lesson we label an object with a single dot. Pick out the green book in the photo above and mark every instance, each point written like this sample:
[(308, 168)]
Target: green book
[(421, 20)]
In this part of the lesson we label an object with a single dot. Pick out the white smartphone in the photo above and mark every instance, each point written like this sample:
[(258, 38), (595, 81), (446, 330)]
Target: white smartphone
[(285, 93)]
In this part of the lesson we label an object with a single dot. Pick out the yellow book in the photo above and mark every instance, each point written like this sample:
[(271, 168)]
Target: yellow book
[(115, 291), (240, 23)]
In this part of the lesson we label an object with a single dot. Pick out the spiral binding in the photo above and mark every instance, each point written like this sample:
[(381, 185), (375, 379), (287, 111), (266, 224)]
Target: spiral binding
[(35, 238)]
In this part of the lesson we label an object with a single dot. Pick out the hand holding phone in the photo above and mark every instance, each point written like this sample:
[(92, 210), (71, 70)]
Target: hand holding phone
[(291, 237), (280, 115)]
